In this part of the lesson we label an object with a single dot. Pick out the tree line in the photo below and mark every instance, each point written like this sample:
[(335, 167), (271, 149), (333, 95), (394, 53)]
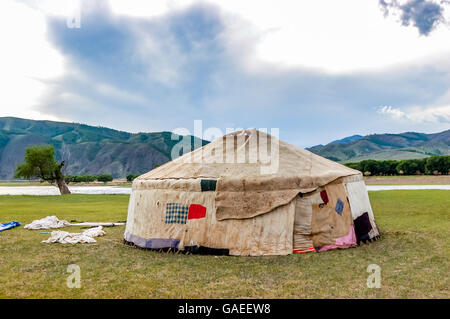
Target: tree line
[(434, 165), (131, 177), (88, 178)]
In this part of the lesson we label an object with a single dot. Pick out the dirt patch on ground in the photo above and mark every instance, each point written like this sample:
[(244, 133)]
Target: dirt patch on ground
[(408, 180)]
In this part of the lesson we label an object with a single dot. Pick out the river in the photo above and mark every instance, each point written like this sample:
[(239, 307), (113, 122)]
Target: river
[(51, 190)]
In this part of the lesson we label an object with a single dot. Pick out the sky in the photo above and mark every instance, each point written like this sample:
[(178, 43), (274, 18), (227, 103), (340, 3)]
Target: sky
[(318, 70)]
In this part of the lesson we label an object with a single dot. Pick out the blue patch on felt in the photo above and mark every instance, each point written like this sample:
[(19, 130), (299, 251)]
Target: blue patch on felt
[(339, 207)]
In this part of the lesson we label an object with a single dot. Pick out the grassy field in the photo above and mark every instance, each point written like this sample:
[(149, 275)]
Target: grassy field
[(413, 254)]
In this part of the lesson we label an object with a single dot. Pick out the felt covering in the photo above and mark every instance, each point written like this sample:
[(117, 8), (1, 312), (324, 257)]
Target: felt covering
[(339, 223), (255, 172), (321, 225), (302, 224), (244, 208), (267, 234), (327, 224)]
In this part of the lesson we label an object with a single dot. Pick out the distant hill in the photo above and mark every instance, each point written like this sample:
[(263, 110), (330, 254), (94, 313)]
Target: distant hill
[(347, 139), (99, 150), (386, 146), (86, 149)]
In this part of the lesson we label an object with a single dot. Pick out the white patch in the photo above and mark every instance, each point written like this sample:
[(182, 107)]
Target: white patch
[(333, 36)]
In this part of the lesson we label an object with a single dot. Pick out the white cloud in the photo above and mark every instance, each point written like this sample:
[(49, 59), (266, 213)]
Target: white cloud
[(392, 112), (27, 60), (333, 36), (436, 114)]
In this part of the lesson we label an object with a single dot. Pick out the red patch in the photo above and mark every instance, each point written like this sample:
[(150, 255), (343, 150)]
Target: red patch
[(324, 196), (196, 211)]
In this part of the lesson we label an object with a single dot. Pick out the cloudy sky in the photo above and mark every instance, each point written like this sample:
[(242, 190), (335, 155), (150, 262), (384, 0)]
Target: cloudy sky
[(316, 69)]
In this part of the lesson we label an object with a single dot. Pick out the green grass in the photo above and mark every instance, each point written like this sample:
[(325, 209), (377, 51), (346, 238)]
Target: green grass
[(413, 254)]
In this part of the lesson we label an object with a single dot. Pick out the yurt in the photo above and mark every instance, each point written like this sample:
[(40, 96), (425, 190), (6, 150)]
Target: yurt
[(250, 194)]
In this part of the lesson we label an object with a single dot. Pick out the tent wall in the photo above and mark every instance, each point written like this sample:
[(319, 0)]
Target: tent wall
[(318, 224), (304, 224), (267, 234)]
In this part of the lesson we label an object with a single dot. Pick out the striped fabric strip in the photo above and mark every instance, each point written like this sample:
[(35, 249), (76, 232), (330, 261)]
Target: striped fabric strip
[(152, 243), (305, 250)]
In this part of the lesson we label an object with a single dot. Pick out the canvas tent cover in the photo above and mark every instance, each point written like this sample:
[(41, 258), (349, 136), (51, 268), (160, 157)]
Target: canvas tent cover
[(246, 186), (254, 174)]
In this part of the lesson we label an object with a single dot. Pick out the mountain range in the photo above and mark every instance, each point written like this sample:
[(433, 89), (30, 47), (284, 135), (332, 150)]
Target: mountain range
[(407, 145), (86, 149), (99, 150)]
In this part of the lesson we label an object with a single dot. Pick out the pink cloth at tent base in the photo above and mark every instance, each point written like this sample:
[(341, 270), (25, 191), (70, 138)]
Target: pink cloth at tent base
[(342, 242)]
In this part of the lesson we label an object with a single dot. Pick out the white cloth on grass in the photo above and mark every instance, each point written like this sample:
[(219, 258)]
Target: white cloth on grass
[(47, 223), (53, 222), (63, 237)]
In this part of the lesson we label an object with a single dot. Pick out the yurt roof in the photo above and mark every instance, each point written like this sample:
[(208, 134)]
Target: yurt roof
[(223, 158)]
